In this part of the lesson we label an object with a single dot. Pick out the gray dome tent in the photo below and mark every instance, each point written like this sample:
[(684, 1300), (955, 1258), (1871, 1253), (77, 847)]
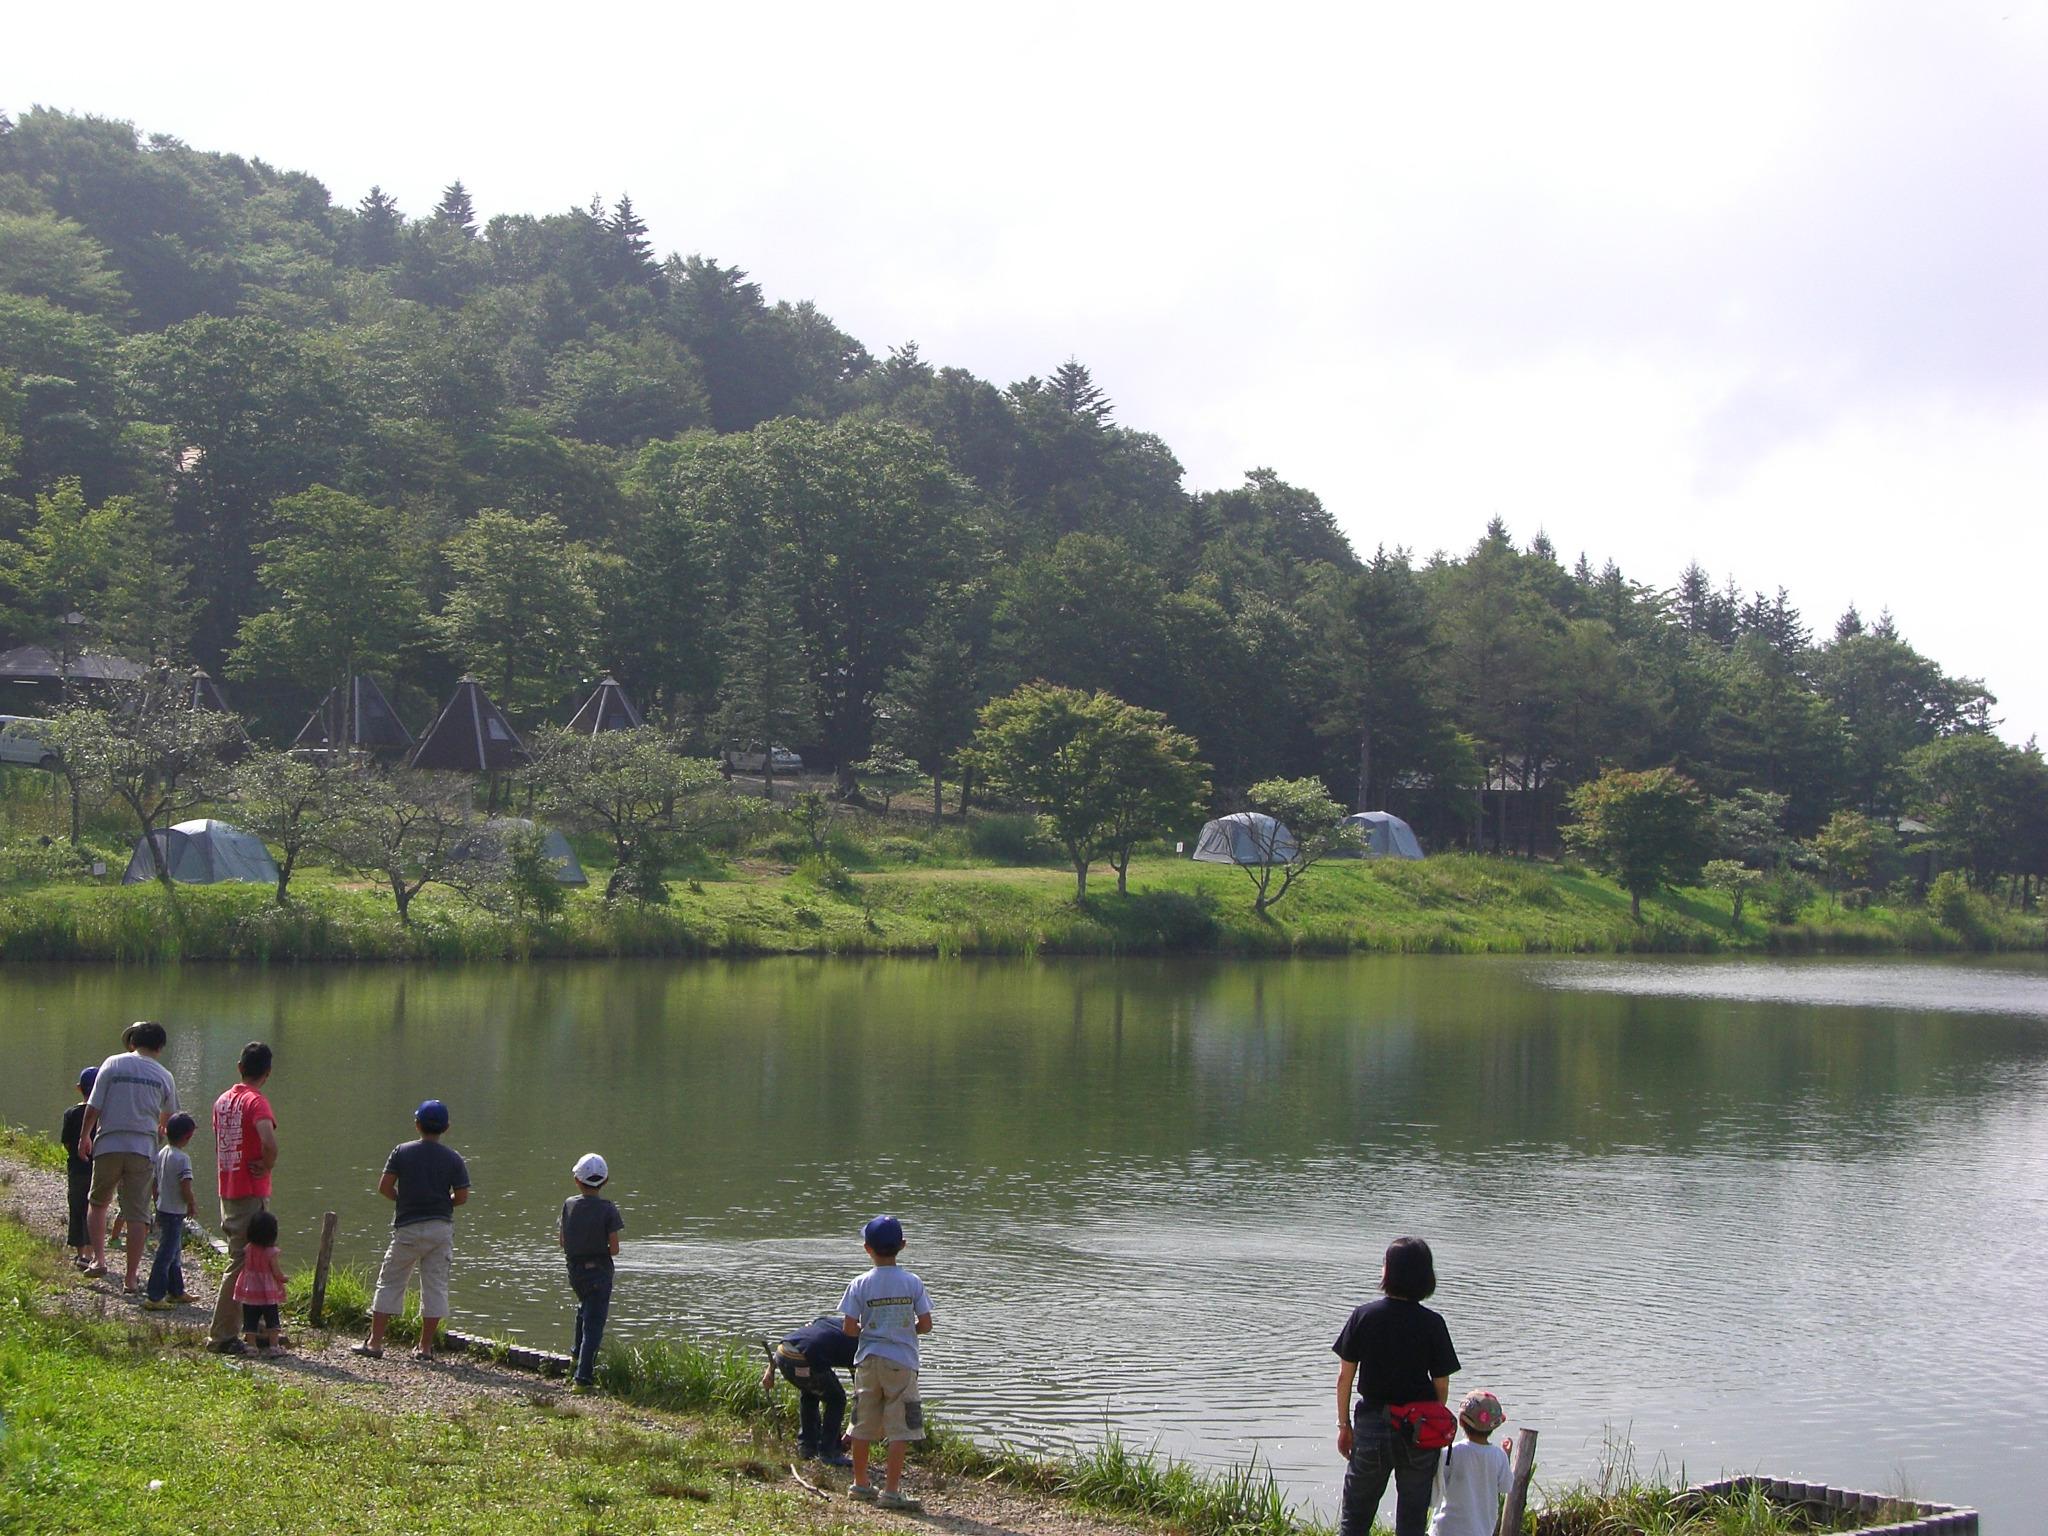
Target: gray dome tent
[(1247, 837), (1381, 835), (488, 842), (204, 852)]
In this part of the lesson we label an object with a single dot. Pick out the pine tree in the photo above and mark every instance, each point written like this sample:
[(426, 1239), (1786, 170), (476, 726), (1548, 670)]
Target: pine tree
[(378, 223), (456, 210), (1077, 393), (768, 698), (148, 607), (931, 700), (634, 254), (1849, 625)]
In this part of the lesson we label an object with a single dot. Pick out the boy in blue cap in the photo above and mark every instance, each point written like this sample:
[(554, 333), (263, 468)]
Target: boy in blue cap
[(77, 1174), (886, 1310), (426, 1181), (807, 1359)]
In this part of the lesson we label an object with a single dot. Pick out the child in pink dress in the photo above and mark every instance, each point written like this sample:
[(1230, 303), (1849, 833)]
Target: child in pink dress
[(260, 1288)]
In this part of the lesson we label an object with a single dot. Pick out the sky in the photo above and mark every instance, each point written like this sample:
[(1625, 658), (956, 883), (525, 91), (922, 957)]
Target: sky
[(1761, 286)]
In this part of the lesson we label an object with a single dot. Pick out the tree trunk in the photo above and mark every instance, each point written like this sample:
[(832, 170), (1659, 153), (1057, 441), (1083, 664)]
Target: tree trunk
[(966, 790), (1364, 796), (284, 875), (71, 779), (404, 898), (938, 801), (1080, 881), (1123, 874), (1635, 905)]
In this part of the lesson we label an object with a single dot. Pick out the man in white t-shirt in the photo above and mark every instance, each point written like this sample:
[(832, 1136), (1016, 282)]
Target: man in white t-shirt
[(131, 1099)]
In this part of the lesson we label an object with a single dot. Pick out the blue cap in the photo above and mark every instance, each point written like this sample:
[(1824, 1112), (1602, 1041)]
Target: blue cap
[(87, 1078), (884, 1234), (432, 1115)]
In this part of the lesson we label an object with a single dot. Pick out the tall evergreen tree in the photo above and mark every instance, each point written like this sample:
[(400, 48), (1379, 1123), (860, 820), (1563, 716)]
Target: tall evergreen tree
[(378, 226), (1077, 393), (634, 254), (928, 710), (455, 209)]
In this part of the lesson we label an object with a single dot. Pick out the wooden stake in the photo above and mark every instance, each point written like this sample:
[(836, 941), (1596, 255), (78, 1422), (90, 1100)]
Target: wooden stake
[(320, 1268), (1518, 1494)]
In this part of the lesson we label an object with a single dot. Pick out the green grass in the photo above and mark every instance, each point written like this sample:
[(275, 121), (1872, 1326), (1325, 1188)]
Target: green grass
[(32, 1147), (1451, 904)]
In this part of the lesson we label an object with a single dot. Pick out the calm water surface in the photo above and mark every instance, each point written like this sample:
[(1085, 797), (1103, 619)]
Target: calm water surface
[(1787, 1216)]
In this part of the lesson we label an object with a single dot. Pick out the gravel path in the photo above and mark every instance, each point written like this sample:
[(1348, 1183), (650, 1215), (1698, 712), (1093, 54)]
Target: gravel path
[(34, 1197)]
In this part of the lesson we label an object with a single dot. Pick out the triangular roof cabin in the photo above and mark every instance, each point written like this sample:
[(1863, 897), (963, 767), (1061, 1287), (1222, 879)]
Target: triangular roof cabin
[(373, 725), (471, 735), (205, 693), (607, 709)]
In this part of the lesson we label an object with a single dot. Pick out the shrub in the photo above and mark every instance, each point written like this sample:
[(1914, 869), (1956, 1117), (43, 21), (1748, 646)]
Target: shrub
[(826, 873), (1785, 895), (1955, 906), (1008, 839)]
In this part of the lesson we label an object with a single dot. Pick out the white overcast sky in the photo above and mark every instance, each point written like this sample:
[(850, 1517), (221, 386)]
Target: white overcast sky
[(1762, 286)]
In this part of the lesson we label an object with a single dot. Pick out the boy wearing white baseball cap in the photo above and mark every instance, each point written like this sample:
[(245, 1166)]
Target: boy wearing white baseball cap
[(589, 1237)]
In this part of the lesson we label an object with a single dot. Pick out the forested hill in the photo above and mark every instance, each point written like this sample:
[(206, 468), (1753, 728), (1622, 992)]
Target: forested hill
[(294, 439)]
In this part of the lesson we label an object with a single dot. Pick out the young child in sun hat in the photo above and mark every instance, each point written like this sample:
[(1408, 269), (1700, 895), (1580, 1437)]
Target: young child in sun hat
[(1473, 1476), (589, 1235)]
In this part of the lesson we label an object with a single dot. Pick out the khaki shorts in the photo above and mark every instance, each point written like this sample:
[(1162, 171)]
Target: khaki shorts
[(127, 1172), (431, 1246), (885, 1401)]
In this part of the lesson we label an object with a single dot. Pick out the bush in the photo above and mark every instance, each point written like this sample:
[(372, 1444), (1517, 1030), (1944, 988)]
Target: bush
[(1785, 895), (1955, 906), (826, 873), (1008, 839)]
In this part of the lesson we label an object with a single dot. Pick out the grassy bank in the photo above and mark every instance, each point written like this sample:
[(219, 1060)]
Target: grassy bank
[(1455, 904)]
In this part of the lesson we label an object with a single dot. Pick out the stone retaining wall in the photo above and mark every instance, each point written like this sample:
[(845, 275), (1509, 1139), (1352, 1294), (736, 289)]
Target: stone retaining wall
[(1902, 1517)]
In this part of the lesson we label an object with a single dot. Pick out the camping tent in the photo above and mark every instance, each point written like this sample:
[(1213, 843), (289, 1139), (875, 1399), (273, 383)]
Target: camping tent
[(204, 853), (1380, 836), (607, 709), (553, 846), (372, 726), (471, 735), (1248, 837)]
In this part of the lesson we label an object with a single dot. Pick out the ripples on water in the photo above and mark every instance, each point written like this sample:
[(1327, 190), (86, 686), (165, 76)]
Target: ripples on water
[(1781, 1216)]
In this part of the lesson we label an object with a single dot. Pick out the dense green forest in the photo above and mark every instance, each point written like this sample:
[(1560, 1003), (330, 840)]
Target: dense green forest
[(293, 440)]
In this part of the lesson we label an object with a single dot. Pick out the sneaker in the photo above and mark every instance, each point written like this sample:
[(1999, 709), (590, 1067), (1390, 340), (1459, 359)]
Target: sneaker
[(581, 1388), (184, 1300), (862, 1493), (833, 1459), (891, 1499), (161, 1304), (228, 1347)]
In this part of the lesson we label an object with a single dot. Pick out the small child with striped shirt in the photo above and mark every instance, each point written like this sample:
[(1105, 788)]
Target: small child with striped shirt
[(260, 1288)]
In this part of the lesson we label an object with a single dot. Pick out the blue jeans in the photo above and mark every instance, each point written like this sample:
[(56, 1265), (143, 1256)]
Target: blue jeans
[(166, 1272), (1377, 1453), (591, 1280), (821, 1405)]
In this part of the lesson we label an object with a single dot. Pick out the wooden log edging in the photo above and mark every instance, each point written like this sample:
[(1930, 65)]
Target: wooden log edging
[(520, 1357), (1921, 1517)]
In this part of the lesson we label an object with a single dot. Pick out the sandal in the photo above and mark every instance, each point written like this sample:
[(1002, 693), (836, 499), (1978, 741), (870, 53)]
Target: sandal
[(367, 1351), (94, 1271), (423, 1357)]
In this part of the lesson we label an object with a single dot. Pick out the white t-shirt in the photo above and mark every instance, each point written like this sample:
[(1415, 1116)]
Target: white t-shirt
[(173, 1167), (887, 1301), (130, 1093), (1471, 1482)]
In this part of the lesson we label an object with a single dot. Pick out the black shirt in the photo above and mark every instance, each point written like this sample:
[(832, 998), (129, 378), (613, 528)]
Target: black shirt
[(824, 1342), (1400, 1347), (588, 1222), (428, 1176), (74, 1127)]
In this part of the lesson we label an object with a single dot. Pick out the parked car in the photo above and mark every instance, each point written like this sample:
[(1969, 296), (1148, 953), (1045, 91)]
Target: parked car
[(22, 741), (753, 759)]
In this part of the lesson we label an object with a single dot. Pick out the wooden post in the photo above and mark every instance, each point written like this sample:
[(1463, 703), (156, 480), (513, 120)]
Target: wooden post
[(320, 1268), (1518, 1494)]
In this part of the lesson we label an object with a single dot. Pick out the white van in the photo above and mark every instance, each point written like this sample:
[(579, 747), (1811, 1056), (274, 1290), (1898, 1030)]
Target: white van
[(22, 741)]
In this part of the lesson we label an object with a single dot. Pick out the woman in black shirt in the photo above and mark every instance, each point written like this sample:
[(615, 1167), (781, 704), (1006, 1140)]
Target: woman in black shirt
[(1394, 1350)]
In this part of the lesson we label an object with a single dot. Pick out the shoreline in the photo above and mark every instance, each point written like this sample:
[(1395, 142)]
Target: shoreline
[(1455, 904)]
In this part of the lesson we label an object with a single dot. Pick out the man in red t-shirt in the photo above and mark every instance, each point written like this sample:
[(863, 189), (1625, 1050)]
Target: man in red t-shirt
[(245, 1150)]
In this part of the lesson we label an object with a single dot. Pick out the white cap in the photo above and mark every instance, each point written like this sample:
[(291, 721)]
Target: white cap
[(591, 1169)]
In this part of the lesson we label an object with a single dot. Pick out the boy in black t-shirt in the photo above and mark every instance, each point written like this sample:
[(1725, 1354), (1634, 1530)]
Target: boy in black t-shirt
[(77, 1174), (589, 1237)]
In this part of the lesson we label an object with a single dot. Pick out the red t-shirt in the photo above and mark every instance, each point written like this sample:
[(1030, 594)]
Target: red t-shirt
[(236, 1146)]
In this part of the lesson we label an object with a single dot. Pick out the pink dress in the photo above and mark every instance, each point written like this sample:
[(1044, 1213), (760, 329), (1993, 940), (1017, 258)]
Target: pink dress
[(261, 1282)]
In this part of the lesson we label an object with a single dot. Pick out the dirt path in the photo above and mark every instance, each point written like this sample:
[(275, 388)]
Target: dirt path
[(34, 1197)]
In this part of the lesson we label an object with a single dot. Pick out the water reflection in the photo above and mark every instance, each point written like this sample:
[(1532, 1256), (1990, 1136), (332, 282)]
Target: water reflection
[(1754, 1211)]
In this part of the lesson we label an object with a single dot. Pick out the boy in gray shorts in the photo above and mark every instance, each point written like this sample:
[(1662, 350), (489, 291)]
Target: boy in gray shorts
[(886, 1309)]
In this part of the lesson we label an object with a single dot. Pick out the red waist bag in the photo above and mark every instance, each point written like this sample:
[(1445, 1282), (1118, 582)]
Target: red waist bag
[(1426, 1426)]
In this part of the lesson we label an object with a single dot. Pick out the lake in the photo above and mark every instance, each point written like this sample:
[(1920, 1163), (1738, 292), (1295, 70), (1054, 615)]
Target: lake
[(1753, 1215)]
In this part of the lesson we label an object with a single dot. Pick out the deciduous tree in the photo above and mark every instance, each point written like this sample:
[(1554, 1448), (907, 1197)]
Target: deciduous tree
[(1648, 829)]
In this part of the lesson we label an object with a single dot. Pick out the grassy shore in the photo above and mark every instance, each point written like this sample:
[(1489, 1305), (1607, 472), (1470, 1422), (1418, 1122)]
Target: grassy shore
[(1455, 904)]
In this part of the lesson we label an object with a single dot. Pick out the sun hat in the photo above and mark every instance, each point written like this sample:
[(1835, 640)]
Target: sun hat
[(591, 1169), (1481, 1411), (884, 1234), (87, 1078), (432, 1115)]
